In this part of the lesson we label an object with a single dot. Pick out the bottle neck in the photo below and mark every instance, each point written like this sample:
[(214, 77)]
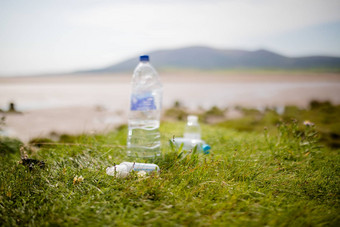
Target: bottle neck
[(144, 64), (192, 123)]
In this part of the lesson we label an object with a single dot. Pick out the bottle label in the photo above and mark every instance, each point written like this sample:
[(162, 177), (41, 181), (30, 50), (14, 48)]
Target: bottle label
[(142, 102)]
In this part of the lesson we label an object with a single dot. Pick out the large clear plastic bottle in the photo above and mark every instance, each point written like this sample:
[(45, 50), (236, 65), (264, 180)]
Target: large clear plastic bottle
[(145, 111), (192, 129)]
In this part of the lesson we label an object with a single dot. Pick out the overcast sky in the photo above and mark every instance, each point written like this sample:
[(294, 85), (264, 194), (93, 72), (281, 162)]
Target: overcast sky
[(42, 36)]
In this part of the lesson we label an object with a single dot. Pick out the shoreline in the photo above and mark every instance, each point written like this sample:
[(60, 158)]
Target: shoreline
[(68, 120), (180, 77), (75, 104)]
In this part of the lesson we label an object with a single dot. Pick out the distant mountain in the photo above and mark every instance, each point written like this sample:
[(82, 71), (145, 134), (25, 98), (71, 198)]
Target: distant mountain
[(211, 59)]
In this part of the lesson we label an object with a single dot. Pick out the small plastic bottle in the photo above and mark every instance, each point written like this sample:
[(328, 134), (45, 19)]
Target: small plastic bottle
[(189, 144), (123, 169), (192, 129), (192, 136)]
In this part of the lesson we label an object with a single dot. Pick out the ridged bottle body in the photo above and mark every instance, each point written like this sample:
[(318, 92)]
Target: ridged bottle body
[(145, 111)]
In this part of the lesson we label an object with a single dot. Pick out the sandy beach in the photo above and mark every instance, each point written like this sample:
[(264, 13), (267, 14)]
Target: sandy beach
[(95, 103)]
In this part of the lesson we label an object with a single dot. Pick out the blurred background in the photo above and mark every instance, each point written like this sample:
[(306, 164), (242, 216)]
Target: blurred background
[(66, 66)]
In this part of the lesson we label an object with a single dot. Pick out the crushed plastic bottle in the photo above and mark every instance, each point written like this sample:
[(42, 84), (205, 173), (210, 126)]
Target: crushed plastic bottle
[(123, 169), (145, 111)]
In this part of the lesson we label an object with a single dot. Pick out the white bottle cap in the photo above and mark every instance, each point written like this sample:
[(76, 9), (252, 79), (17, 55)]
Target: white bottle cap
[(192, 118)]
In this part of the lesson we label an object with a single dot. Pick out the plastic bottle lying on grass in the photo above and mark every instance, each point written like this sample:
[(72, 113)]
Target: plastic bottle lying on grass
[(189, 144), (123, 169)]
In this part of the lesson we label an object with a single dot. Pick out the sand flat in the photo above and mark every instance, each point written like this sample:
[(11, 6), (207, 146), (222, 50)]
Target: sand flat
[(181, 77), (95, 103)]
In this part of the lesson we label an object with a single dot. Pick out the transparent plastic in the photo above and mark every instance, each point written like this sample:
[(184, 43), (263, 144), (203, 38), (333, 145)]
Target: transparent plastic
[(145, 111), (123, 169), (189, 144), (192, 129)]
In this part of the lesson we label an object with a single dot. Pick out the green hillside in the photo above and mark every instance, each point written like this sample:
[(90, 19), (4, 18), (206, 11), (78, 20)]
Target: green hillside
[(206, 58)]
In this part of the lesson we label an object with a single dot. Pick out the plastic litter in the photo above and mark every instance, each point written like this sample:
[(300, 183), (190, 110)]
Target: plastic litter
[(192, 136), (123, 169), (189, 144), (192, 128), (143, 138)]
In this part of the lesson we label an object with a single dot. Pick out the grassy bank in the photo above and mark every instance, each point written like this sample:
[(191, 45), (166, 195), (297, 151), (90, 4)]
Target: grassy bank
[(281, 176), (324, 115)]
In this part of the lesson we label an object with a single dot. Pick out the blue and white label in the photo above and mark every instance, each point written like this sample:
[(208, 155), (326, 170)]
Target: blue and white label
[(142, 102)]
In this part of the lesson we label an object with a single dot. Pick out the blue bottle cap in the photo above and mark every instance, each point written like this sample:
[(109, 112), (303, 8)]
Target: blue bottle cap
[(206, 148), (144, 58)]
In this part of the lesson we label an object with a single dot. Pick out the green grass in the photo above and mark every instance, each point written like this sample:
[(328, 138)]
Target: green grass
[(325, 115), (254, 178)]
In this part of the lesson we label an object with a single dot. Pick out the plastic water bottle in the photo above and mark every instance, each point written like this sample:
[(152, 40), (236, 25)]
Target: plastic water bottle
[(189, 144), (145, 110), (192, 136), (192, 129), (135, 166), (123, 169)]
